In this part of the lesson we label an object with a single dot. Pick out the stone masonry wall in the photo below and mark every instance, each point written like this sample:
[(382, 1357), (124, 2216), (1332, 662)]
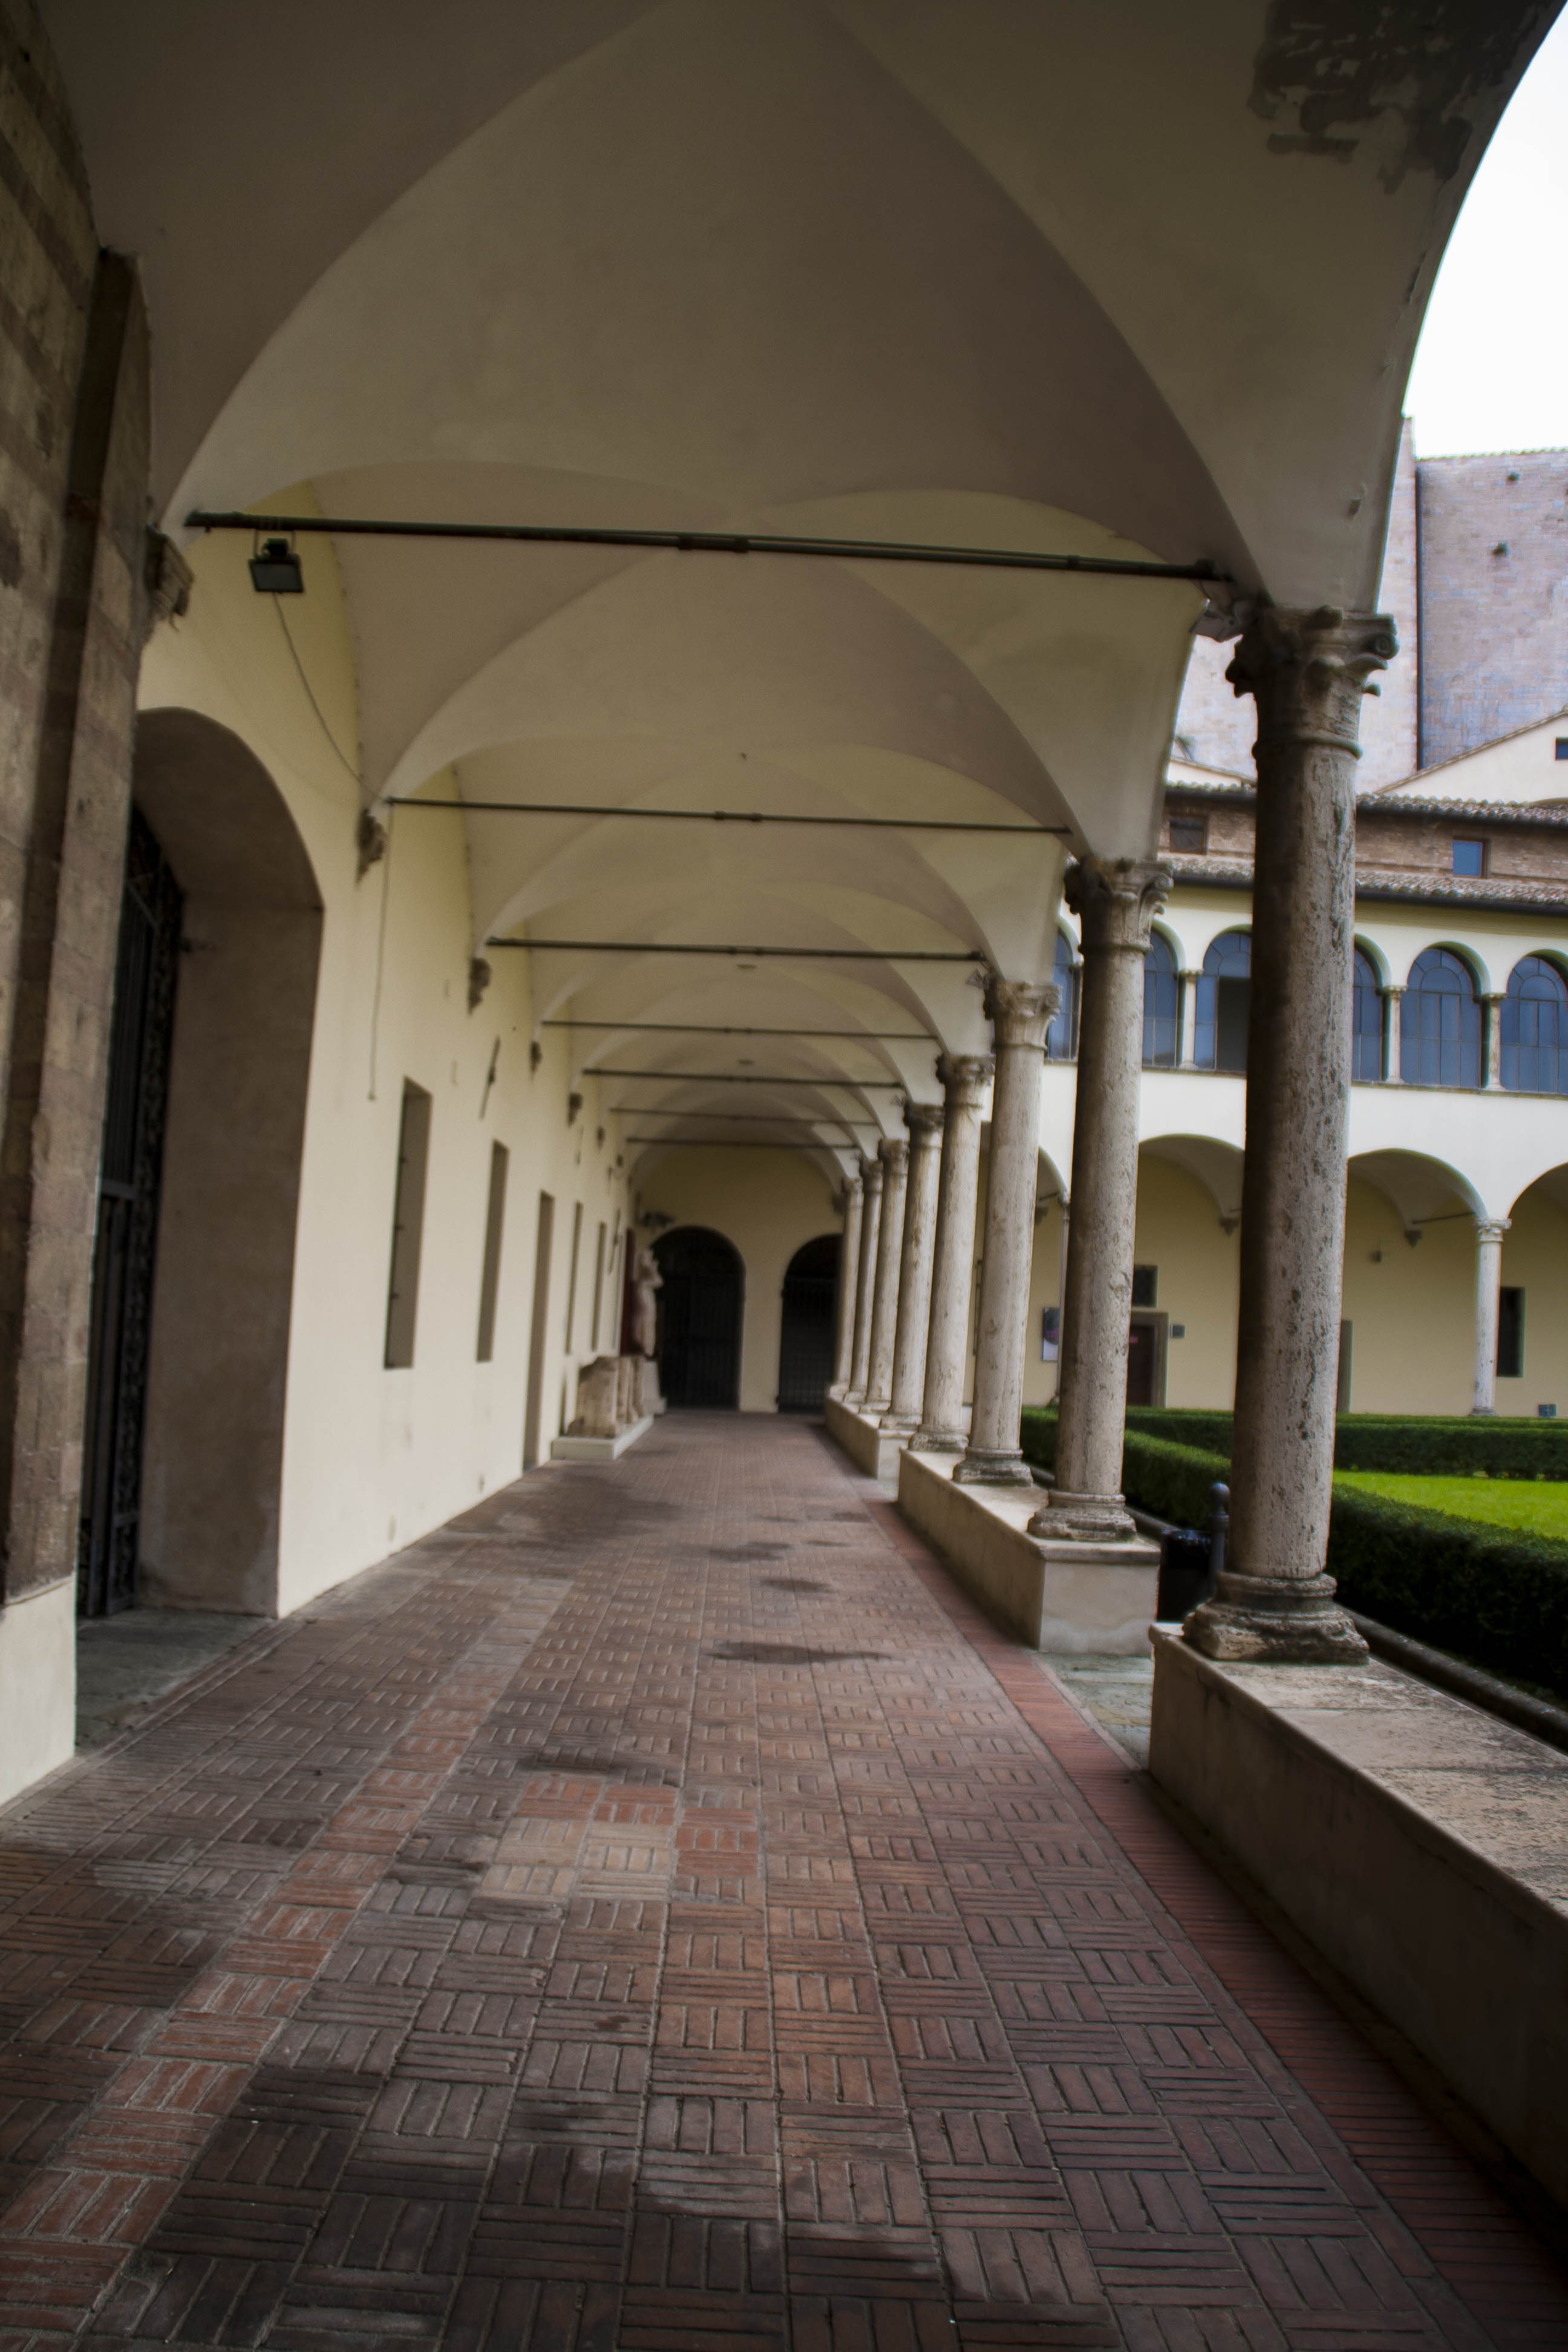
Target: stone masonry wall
[(1494, 597), (73, 505), (50, 253)]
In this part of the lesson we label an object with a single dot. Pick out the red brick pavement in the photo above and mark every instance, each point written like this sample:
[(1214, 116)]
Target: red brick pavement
[(657, 1912)]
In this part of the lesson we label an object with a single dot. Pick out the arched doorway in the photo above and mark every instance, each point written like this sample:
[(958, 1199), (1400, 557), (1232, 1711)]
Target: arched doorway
[(216, 1344), (807, 1329), (700, 1317)]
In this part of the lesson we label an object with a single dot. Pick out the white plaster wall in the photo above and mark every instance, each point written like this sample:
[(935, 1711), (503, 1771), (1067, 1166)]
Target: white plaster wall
[(767, 1203), (37, 1686), (373, 1458)]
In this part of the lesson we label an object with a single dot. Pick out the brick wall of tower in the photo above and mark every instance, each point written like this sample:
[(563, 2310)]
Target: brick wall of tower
[(1494, 597)]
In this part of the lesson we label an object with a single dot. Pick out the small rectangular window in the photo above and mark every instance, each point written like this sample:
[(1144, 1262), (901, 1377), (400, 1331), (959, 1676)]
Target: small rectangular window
[(1470, 858), (598, 1285), (1145, 1284), (1189, 835), (1510, 1334), (1562, 747), (1343, 1385), (490, 1280), (407, 1225), (572, 1274)]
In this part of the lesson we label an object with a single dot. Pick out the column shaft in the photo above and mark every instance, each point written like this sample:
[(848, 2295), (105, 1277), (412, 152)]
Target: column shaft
[(1392, 996), (865, 1278), (849, 1283), (915, 1261), (894, 1155), (1489, 1281), (1018, 1012), (1115, 901), (1308, 672), (1491, 1040), (1189, 1019), (943, 1429)]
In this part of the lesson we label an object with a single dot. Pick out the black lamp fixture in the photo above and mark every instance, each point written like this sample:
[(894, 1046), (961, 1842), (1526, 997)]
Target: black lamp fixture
[(275, 568)]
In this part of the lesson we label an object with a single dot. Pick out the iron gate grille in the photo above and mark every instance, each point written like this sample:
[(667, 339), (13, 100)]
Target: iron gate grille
[(136, 1101)]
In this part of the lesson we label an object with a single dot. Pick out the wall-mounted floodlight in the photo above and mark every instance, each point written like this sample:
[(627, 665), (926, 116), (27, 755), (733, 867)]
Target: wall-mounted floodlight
[(275, 569)]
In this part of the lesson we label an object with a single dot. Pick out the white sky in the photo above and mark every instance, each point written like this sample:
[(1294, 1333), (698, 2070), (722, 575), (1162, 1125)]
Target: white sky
[(1491, 369)]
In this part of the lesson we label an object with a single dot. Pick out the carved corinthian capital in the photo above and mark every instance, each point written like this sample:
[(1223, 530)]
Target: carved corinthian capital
[(964, 1079), (1308, 672), (1019, 1011), (1116, 899)]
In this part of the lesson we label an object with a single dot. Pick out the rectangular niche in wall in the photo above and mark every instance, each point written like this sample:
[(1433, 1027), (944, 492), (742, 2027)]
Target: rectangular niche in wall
[(571, 1276), (490, 1280), (598, 1284), (1510, 1333), (407, 1225)]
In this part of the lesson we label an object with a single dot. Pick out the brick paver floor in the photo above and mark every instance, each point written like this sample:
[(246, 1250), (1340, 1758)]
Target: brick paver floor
[(658, 1912)]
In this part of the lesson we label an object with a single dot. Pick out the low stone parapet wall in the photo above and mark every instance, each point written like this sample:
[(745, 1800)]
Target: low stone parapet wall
[(1418, 1843), (862, 1439), (1072, 1599)]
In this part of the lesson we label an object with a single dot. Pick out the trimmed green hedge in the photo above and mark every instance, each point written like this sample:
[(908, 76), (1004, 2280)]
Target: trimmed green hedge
[(1420, 1446), (1489, 1594)]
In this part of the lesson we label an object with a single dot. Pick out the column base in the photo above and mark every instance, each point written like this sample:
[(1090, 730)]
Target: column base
[(899, 1424), (1084, 1518), (982, 1467), (1273, 1622), (939, 1440)]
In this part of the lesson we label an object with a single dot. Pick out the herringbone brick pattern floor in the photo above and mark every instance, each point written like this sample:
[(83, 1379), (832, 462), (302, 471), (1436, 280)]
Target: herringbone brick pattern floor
[(655, 1913)]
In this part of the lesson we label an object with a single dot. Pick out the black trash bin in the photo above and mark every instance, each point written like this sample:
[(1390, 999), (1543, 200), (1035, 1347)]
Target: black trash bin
[(1185, 1577), (1190, 1559)]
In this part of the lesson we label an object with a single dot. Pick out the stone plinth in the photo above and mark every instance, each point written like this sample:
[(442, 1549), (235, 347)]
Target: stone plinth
[(1418, 1843), (599, 1449), (1069, 1599), (862, 1437)]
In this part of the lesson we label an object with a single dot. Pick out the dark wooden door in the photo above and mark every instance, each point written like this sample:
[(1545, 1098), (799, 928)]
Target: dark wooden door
[(125, 1246), (808, 1326), (1141, 1353), (700, 1317)]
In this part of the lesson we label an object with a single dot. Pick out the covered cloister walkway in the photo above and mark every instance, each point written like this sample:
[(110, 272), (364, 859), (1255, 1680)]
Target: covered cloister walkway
[(657, 1909)]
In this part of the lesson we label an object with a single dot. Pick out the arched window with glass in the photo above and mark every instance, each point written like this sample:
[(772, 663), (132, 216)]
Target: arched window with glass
[(1440, 1022), (1061, 1034), (1162, 1006), (1366, 1020), (1535, 1057), (1224, 1002)]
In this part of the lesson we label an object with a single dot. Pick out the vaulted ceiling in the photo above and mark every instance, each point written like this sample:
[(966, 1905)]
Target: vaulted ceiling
[(1102, 276)]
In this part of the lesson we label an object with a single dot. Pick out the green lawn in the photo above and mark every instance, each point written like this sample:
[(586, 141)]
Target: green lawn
[(1538, 1503)]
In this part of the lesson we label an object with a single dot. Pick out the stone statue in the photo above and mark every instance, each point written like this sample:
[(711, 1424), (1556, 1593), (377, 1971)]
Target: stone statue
[(646, 1280)]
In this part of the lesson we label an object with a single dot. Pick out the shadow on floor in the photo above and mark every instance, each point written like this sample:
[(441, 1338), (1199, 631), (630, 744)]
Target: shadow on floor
[(124, 1663)]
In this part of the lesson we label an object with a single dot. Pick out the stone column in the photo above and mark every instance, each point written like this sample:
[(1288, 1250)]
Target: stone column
[(1488, 1279), (1308, 672), (1116, 900), (911, 1331), (865, 1280), (1393, 995), (1189, 1019), (1491, 1038), (1062, 1285), (894, 1155), (848, 1284), (964, 1079), (1018, 1011)]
